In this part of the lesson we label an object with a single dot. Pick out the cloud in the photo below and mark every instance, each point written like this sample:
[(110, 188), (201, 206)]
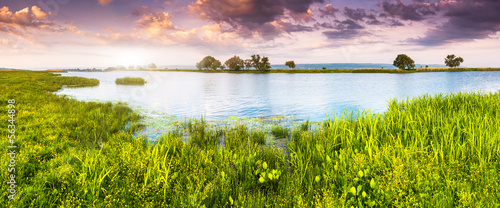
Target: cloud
[(328, 11), (141, 10), (28, 24), (23, 17), (39, 14), (156, 23), (348, 24), (250, 16), (417, 11), (466, 20), (344, 34), (357, 14), (104, 2)]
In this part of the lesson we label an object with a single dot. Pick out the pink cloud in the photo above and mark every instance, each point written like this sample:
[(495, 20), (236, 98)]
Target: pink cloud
[(104, 2), (156, 23)]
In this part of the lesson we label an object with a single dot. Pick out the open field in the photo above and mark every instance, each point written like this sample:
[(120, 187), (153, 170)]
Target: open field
[(431, 151)]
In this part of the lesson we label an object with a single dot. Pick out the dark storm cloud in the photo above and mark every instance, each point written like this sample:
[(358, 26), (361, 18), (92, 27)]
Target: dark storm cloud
[(345, 29), (348, 24), (417, 11), (467, 20), (252, 15), (357, 14)]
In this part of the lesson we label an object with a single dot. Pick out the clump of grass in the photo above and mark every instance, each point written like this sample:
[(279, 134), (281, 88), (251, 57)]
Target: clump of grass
[(280, 131), (130, 81), (258, 137), (71, 81), (305, 126)]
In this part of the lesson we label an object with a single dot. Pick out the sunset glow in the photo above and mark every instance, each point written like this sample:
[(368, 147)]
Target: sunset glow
[(102, 33)]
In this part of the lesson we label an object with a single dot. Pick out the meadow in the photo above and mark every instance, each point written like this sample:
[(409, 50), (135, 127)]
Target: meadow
[(431, 151)]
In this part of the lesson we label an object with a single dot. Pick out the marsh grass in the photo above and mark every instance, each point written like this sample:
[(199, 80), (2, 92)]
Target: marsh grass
[(431, 151), (280, 131), (130, 81)]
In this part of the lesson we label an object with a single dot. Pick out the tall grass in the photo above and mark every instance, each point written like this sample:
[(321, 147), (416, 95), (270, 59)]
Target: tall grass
[(432, 151), (130, 81)]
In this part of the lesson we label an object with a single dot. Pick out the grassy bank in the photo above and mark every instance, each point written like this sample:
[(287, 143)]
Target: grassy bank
[(130, 81), (432, 151), (375, 70)]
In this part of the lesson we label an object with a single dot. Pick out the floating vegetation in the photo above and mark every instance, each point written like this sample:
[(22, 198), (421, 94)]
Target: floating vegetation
[(130, 81)]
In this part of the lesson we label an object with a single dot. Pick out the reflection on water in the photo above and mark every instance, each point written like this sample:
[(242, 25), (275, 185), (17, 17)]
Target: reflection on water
[(306, 96)]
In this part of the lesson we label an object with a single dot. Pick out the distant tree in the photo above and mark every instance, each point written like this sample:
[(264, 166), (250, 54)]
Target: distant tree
[(110, 69), (248, 63), (208, 63), (453, 61), (235, 63), (216, 64), (404, 62), (260, 64), (256, 61), (152, 66), (290, 64), (264, 63), (131, 67)]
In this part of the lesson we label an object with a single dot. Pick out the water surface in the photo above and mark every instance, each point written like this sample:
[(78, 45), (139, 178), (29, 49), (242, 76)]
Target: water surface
[(217, 96)]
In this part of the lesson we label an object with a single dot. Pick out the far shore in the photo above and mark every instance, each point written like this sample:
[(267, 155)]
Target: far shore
[(368, 70)]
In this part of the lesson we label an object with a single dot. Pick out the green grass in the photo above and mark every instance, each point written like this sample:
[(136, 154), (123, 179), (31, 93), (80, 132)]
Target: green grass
[(432, 151), (130, 81), (280, 131)]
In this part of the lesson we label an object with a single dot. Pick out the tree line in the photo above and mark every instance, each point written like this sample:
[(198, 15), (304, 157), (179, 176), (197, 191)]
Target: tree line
[(235, 63)]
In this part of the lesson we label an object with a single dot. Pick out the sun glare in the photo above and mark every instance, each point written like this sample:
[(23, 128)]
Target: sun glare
[(130, 59)]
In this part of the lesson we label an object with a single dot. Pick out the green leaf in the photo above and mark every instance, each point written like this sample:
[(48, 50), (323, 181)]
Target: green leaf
[(360, 187), (261, 180), (353, 190), (360, 174), (373, 184)]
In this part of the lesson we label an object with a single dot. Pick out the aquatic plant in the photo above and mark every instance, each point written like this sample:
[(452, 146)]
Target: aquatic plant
[(130, 81)]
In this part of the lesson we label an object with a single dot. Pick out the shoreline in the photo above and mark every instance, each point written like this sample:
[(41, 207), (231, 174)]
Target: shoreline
[(316, 71)]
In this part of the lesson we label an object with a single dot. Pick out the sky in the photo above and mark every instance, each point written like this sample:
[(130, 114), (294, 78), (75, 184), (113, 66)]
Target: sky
[(37, 34)]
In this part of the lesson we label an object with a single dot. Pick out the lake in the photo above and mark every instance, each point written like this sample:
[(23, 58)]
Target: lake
[(217, 96)]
